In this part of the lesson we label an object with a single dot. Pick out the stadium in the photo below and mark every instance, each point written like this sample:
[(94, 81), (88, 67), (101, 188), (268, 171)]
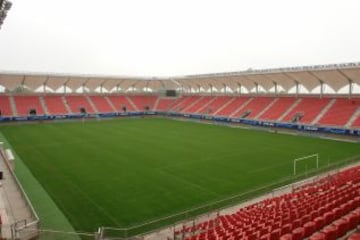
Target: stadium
[(263, 154)]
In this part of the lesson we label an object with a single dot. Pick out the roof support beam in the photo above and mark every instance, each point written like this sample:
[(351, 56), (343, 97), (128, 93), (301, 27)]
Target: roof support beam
[(118, 85), (276, 88), (321, 82), (350, 88), (351, 82), (102, 86), (239, 88), (147, 85), (224, 85), (84, 84), (134, 84), (321, 89), (297, 88), (176, 82), (45, 83), (133, 87), (23, 82), (65, 84), (162, 84), (186, 88)]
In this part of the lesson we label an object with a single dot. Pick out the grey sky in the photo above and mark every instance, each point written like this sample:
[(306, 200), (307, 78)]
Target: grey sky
[(166, 38)]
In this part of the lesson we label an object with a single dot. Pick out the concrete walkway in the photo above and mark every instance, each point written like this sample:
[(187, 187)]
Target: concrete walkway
[(13, 206)]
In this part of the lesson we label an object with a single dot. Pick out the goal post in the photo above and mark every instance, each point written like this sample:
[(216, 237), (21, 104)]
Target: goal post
[(313, 156)]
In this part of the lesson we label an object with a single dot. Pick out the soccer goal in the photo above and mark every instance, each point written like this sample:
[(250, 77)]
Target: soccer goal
[(307, 158)]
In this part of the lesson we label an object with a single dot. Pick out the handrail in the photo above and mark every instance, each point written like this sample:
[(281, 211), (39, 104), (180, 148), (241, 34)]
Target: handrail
[(22, 191)]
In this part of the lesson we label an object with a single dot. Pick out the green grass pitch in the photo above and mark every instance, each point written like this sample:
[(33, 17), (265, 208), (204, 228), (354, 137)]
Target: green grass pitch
[(123, 172)]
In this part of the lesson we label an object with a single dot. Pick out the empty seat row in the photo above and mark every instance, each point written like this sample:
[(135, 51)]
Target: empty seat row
[(307, 110), (330, 203)]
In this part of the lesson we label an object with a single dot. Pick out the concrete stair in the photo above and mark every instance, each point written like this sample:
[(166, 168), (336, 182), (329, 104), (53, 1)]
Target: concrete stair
[(266, 108), (353, 118), (132, 103), (13, 106), (205, 105), (224, 106), (43, 105), (192, 104), (12, 199), (175, 104), (323, 112), (241, 107), (92, 104), (68, 109), (111, 104), (289, 109), (156, 104)]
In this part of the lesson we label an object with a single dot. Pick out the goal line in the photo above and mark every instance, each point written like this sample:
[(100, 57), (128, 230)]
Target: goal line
[(316, 156)]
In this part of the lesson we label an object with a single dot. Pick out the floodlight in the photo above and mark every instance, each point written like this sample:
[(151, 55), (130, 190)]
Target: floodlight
[(7, 5), (2, 14)]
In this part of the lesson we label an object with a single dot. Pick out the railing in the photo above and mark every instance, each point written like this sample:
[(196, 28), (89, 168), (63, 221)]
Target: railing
[(198, 214), (20, 224), (32, 231)]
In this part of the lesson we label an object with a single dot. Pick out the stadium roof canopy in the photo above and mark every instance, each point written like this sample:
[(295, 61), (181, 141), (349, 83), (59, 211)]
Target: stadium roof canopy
[(337, 77)]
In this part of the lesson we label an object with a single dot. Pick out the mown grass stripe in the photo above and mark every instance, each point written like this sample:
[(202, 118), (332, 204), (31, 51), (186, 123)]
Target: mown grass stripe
[(51, 217)]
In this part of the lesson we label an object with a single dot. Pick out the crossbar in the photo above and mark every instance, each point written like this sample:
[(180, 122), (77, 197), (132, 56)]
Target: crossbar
[(306, 157)]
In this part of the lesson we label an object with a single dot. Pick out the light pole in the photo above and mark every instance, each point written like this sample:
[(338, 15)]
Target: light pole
[(5, 6)]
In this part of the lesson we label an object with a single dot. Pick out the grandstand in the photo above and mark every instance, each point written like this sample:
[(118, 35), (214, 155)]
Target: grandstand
[(324, 100), (272, 95), (325, 209)]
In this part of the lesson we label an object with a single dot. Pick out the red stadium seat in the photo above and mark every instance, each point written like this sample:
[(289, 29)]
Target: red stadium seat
[(354, 236), (317, 236), (330, 232), (287, 236), (329, 205), (298, 233), (309, 228)]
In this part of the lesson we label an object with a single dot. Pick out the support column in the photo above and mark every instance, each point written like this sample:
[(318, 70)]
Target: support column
[(224, 85), (297, 88), (321, 89), (133, 87), (239, 87), (257, 88), (23, 83), (44, 84), (350, 88), (276, 89)]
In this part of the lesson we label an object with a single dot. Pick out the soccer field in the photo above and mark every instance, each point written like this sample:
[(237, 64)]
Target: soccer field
[(123, 172)]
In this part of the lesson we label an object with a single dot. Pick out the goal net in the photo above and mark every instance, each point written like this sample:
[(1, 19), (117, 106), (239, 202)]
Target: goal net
[(313, 157)]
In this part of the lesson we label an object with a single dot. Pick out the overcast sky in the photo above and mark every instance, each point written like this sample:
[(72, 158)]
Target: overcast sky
[(168, 37)]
